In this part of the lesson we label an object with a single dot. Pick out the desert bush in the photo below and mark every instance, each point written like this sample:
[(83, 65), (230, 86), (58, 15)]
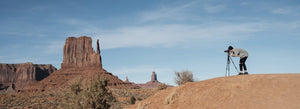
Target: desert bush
[(96, 96), (183, 77), (132, 100), (161, 86), (140, 99), (75, 88)]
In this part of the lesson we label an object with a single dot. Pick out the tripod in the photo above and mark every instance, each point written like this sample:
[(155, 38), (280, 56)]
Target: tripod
[(227, 73)]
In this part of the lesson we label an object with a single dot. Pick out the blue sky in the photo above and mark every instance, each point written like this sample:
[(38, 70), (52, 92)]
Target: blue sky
[(141, 36)]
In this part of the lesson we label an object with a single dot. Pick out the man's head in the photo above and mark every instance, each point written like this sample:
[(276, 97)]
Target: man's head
[(230, 48)]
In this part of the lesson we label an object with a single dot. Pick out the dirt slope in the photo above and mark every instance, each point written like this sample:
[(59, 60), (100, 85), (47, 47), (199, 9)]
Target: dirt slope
[(264, 91)]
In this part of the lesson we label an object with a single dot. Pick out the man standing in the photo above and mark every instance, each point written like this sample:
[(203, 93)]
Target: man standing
[(243, 54)]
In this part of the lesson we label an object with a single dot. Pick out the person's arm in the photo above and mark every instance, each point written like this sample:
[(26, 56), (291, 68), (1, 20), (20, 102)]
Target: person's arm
[(234, 55)]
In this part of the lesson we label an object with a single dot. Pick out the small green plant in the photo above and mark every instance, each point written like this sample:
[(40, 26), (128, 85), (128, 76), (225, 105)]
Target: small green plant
[(161, 86), (132, 100), (183, 77)]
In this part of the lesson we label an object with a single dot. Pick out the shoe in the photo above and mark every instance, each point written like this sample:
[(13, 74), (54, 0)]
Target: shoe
[(240, 74), (246, 73)]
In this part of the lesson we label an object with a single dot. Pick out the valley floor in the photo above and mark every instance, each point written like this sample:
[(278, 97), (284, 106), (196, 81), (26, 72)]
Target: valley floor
[(64, 100)]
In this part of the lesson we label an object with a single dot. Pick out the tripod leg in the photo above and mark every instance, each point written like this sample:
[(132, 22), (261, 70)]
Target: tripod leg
[(227, 73), (234, 65)]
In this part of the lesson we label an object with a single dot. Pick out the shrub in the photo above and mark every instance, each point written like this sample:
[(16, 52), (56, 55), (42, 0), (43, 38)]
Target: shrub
[(96, 96), (183, 77), (161, 86), (132, 100), (75, 88), (140, 99)]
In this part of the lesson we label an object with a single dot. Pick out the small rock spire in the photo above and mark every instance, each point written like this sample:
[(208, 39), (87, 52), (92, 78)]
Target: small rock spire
[(98, 47), (153, 77), (126, 79), (98, 52)]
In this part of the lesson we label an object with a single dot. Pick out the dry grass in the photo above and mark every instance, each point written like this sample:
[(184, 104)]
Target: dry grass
[(171, 97), (162, 86), (183, 77)]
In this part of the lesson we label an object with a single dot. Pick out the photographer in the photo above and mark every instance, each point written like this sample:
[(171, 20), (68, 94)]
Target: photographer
[(243, 54)]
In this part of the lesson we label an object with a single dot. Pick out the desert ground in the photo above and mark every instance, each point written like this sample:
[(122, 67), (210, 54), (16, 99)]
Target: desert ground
[(260, 91)]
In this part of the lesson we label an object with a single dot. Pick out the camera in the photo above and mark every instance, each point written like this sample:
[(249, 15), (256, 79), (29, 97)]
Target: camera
[(226, 51)]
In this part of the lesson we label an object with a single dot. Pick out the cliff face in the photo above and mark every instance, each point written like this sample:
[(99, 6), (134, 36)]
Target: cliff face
[(78, 53), (23, 74), (11, 73)]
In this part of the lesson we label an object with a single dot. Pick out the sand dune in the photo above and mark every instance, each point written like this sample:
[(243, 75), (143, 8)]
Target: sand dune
[(261, 91)]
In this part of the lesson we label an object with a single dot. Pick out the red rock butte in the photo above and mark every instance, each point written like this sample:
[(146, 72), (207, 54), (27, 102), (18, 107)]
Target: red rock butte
[(78, 53), (80, 64)]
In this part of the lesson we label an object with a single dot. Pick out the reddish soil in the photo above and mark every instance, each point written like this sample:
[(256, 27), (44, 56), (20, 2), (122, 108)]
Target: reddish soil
[(263, 91)]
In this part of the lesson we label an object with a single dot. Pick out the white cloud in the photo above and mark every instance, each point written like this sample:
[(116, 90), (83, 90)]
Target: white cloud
[(143, 69), (181, 11), (281, 11), (2, 58), (54, 47), (37, 9), (173, 34), (174, 11), (214, 8), (13, 60), (164, 75), (24, 34), (164, 34), (245, 3), (74, 22)]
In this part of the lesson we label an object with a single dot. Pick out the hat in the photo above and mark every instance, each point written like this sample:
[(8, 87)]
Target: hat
[(230, 48)]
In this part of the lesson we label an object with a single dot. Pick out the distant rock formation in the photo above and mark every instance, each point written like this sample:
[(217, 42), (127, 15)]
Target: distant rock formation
[(81, 64), (154, 77), (152, 83), (126, 80), (24, 74)]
